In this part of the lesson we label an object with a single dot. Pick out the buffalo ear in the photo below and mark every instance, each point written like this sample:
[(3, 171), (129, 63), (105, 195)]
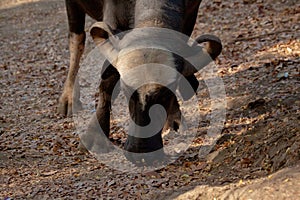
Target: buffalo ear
[(200, 57), (103, 35), (101, 31), (214, 47)]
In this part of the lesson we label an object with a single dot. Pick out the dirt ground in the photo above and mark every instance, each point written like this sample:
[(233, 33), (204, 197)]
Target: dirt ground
[(257, 157)]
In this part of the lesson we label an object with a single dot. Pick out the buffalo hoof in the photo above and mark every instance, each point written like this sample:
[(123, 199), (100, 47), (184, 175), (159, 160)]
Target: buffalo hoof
[(95, 142), (67, 106), (173, 122)]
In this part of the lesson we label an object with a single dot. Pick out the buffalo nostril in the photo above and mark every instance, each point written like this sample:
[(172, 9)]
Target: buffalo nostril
[(146, 159), (144, 151)]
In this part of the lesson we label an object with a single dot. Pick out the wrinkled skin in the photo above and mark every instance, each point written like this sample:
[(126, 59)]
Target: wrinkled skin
[(121, 15)]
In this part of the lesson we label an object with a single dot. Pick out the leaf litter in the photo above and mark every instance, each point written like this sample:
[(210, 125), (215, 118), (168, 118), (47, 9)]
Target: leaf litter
[(259, 65)]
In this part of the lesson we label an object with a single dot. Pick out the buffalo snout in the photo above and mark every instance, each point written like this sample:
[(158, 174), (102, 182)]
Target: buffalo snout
[(144, 151)]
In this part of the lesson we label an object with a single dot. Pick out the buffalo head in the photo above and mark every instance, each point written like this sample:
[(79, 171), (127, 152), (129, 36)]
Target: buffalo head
[(150, 71)]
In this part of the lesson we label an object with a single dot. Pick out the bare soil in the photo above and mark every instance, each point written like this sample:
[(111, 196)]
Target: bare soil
[(257, 157)]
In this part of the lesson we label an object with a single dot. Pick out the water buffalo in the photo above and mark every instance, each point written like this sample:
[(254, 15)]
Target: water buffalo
[(115, 16)]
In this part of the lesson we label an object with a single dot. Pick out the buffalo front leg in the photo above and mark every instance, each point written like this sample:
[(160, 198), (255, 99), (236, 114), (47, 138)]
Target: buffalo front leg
[(70, 96), (174, 116), (96, 137)]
